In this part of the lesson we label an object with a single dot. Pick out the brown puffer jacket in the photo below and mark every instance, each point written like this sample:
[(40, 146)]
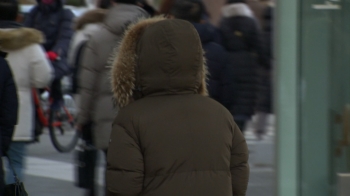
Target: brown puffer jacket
[(169, 138)]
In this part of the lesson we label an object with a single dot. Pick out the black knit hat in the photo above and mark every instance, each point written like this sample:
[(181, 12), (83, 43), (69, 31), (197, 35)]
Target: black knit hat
[(126, 1), (236, 1)]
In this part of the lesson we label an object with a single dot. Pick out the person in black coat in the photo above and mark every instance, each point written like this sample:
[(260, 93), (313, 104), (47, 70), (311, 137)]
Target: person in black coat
[(193, 11), (8, 111), (51, 18), (241, 80)]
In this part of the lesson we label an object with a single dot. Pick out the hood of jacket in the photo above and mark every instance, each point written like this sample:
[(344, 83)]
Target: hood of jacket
[(90, 17), (237, 9), (120, 16), (206, 32), (159, 57), (14, 39)]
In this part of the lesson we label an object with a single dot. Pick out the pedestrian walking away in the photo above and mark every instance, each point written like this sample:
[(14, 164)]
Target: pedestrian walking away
[(241, 78), (96, 106), (85, 26), (96, 103), (265, 101), (169, 138), (30, 69), (8, 111), (216, 55)]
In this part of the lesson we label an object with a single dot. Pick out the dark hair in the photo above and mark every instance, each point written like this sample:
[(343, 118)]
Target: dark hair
[(190, 10), (8, 10), (103, 4), (126, 1)]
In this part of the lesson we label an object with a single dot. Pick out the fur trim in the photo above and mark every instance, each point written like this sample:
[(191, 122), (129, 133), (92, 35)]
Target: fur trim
[(14, 39), (123, 66), (237, 9), (205, 77), (90, 17)]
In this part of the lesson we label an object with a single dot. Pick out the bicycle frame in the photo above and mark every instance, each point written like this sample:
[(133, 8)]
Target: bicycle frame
[(44, 120), (39, 110)]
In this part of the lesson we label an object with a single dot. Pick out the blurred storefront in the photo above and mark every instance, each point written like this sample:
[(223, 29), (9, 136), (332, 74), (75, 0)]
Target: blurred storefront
[(313, 95)]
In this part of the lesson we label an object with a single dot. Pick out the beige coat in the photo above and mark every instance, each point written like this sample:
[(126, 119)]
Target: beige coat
[(30, 69), (96, 103), (85, 26)]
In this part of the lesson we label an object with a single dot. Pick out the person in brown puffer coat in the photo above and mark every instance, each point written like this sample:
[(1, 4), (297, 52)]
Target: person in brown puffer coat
[(169, 138)]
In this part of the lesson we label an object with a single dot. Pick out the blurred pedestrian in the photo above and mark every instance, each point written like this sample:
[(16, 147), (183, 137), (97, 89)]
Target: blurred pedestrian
[(258, 7), (55, 22), (96, 103), (241, 79), (85, 26), (168, 137), (31, 69), (217, 59), (264, 107), (8, 111)]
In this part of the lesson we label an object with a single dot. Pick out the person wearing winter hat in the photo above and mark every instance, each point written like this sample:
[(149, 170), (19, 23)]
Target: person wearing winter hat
[(241, 80), (169, 138)]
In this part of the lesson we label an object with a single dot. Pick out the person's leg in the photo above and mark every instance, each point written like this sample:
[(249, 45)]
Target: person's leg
[(16, 155), (261, 124), (105, 152), (56, 94), (88, 138)]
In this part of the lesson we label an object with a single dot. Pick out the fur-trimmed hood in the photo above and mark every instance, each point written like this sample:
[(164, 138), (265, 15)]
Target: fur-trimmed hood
[(158, 57), (14, 39), (237, 9), (90, 17)]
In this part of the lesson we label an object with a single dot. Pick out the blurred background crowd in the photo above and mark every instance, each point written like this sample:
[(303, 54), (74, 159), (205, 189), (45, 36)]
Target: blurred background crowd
[(66, 46)]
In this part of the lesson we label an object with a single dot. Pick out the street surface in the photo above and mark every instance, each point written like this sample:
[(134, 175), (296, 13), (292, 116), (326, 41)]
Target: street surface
[(50, 173)]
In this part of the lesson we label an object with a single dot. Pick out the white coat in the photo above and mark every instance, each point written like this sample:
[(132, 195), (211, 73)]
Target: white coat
[(30, 69)]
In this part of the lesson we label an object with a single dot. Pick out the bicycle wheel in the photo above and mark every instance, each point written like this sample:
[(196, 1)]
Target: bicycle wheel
[(63, 135)]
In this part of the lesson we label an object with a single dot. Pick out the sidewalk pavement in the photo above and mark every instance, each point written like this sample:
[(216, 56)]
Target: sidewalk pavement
[(50, 173)]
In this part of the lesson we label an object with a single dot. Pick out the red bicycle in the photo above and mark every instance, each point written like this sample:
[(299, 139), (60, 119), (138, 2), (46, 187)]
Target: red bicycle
[(60, 121)]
